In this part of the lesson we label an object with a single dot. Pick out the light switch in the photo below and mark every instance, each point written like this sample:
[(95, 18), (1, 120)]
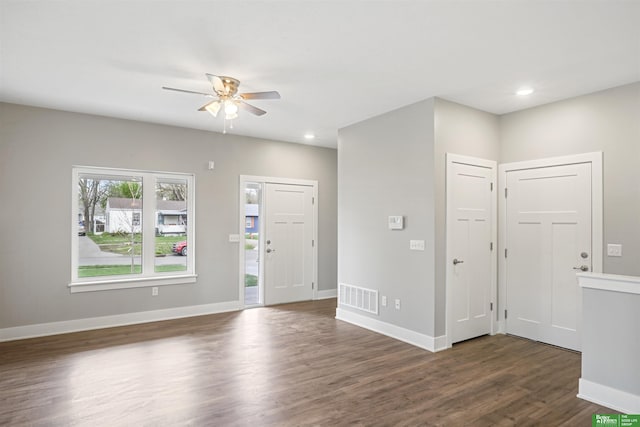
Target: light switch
[(416, 245), (234, 238), (614, 250)]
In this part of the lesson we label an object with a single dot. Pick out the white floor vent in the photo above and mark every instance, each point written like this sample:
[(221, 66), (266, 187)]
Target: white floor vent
[(357, 297)]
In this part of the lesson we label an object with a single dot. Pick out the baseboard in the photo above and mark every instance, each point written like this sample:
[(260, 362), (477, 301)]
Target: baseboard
[(613, 398), (326, 294), (423, 341), (77, 325)]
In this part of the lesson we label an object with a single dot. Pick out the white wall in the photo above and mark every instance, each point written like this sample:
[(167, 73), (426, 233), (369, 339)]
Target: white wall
[(607, 121), (37, 150)]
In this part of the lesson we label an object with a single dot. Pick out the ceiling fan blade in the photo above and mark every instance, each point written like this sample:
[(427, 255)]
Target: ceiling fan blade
[(261, 95), (253, 110), (217, 84), (187, 91), (204, 107)]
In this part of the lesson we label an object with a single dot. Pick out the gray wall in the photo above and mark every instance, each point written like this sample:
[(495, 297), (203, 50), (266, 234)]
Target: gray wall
[(37, 150), (382, 171), (396, 164), (607, 121), (610, 344), (459, 130), (385, 167)]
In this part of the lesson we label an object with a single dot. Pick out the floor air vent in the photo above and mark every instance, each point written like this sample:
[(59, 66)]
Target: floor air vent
[(360, 298)]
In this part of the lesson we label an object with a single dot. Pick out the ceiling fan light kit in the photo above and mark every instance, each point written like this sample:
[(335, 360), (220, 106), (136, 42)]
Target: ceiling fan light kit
[(228, 99)]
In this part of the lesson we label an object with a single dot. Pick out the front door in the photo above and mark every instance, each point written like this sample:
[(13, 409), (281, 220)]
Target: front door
[(470, 226), (288, 245), (548, 239)]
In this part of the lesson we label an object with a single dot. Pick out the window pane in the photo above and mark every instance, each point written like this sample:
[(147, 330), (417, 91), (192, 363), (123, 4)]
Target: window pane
[(253, 196), (109, 225), (171, 225)]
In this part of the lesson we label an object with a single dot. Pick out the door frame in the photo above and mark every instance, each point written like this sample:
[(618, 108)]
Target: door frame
[(595, 158), (244, 179), (472, 161)]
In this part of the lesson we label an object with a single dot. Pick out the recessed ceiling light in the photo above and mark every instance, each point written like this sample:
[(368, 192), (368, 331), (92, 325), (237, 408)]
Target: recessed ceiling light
[(524, 91), (309, 136)]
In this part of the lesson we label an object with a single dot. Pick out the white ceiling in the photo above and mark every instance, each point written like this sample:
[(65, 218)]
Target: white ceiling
[(334, 62)]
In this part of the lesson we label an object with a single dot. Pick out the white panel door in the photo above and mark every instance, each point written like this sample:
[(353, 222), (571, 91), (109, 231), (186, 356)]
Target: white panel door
[(469, 261), (288, 257), (548, 239)]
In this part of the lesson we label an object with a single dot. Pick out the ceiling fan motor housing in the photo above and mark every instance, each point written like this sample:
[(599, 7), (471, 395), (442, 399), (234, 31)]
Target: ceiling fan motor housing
[(231, 84)]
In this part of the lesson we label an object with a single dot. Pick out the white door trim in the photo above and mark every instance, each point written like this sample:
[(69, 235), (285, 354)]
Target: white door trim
[(595, 159), (456, 158), (244, 179)]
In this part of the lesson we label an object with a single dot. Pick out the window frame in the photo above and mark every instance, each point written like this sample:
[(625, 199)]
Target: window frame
[(148, 277)]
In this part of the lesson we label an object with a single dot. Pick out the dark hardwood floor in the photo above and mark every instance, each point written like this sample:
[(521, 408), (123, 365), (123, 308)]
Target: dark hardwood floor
[(287, 365)]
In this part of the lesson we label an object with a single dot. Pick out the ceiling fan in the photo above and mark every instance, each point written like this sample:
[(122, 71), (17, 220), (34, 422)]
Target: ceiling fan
[(228, 99)]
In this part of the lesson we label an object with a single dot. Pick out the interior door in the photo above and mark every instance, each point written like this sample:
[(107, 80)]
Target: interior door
[(470, 225), (288, 257), (548, 215)]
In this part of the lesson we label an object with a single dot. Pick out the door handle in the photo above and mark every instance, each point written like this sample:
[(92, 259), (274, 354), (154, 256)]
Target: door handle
[(269, 250), (582, 268), (457, 261)]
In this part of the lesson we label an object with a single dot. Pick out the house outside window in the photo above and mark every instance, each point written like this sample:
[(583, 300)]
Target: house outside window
[(131, 229), (135, 219)]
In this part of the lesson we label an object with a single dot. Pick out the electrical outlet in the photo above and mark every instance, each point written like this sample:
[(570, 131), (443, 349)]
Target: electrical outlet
[(384, 300), (397, 304), (154, 291)]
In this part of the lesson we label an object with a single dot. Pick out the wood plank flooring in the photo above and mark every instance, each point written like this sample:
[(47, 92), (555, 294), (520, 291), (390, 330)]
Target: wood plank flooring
[(289, 365)]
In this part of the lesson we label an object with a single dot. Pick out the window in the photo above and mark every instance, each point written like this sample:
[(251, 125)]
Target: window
[(131, 229)]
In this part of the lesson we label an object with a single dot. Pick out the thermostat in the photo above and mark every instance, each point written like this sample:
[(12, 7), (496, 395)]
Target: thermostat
[(396, 222)]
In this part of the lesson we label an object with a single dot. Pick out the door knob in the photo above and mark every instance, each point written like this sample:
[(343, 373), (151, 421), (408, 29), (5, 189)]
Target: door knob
[(270, 250), (582, 268), (457, 261)]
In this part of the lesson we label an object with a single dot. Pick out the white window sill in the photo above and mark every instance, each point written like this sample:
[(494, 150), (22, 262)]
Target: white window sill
[(133, 282)]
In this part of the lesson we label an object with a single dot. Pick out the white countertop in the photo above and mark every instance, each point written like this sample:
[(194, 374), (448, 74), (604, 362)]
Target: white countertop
[(610, 282)]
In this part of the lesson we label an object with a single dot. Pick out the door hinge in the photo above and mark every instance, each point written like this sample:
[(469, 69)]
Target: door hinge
[(313, 285), (490, 306), (313, 243), (505, 192), (491, 186), (505, 314), (505, 252), (313, 200), (490, 246)]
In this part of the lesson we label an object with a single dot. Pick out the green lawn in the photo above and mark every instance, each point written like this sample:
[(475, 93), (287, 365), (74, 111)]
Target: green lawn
[(121, 243), (250, 280), (112, 270)]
